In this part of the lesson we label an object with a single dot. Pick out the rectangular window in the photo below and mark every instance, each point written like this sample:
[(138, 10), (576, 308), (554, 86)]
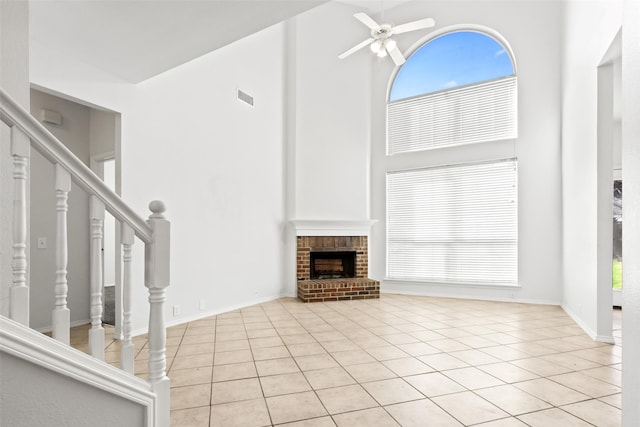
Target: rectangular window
[(454, 224), (477, 113)]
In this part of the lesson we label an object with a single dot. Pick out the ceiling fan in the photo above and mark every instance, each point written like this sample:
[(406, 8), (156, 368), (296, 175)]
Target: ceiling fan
[(381, 41)]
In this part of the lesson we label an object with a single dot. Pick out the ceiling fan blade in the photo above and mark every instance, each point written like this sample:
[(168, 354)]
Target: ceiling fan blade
[(355, 48), (412, 26), (396, 55), (366, 20)]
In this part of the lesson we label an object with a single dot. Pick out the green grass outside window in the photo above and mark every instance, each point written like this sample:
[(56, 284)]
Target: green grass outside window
[(617, 275)]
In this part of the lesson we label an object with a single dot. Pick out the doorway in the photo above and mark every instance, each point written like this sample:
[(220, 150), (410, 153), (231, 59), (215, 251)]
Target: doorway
[(92, 134), (609, 188), (616, 269), (107, 167)]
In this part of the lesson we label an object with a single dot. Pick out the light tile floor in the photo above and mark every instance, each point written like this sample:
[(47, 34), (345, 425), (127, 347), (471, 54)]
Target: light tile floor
[(400, 360)]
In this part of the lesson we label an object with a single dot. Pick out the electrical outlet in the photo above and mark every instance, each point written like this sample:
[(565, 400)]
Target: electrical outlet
[(202, 305), (42, 243), (176, 310)]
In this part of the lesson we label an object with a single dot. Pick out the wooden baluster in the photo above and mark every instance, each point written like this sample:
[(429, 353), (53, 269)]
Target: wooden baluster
[(61, 314), (127, 350), (19, 293), (118, 334), (157, 260), (96, 333)]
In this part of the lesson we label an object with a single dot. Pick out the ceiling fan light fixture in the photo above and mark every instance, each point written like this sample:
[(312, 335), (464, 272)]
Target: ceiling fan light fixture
[(375, 46), (382, 52), (390, 44)]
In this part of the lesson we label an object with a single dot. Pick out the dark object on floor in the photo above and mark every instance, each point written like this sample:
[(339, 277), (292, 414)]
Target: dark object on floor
[(109, 309)]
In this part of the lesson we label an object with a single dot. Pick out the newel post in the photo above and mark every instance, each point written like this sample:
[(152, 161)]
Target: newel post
[(19, 293), (157, 276)]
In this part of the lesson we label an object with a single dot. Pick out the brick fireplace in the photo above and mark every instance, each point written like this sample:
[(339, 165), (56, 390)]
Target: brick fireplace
[(333, 266)]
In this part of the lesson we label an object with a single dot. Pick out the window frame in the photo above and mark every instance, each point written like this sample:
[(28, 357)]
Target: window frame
[(464, 153), (458, 226), (487, 31)]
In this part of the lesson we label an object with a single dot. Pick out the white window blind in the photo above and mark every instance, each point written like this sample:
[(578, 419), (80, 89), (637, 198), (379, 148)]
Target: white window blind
[(454, 224), (477, 113)]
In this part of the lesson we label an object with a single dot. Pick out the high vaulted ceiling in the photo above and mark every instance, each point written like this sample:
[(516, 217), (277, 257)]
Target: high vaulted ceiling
[(138, 39)]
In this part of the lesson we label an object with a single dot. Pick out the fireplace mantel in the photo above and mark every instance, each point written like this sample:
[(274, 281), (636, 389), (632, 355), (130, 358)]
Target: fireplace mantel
[(321, 227)]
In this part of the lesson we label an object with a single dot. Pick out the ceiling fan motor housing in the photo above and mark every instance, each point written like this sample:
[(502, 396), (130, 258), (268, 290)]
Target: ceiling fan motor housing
[(383, 32)]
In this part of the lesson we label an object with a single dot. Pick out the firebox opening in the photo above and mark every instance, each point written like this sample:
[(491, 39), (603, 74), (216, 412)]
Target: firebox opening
[(333, 265)]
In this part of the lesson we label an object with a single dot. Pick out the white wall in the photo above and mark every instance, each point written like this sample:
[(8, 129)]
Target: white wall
[(218, 164), (631, 236), (103, 129), (333, 103), (589, 29), (537, 57), (74, 134), (14, 79)]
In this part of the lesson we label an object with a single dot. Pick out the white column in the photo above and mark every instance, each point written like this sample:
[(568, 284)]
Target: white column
[(127, 350), (19, 294), (61, 314), (157, 277), (631, 213), (96, 333)]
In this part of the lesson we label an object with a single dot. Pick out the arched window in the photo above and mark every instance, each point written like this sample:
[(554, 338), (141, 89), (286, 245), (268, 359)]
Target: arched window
[(457, 88), (453, 221), (452, 60)]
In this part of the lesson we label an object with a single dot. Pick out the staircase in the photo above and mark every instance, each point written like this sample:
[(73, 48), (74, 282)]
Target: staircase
[(19, 341)]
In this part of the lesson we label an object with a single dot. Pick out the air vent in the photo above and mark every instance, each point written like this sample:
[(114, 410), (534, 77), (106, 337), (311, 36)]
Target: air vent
[(51, 117), (245, 97)]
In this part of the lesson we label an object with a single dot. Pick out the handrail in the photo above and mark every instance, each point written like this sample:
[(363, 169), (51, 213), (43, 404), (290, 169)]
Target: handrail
[(13, 114)]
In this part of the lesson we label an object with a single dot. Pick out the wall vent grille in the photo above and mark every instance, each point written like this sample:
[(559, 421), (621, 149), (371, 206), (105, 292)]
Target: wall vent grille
[(245, 97)]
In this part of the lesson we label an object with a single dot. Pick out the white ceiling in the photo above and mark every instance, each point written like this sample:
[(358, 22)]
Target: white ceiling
[(138, 39), (374, 7)]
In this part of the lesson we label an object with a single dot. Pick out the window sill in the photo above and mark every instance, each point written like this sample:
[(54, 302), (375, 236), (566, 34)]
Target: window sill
[(388, 280)]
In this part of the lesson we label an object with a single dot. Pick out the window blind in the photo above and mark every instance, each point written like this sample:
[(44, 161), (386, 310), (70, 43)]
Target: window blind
[(477, 113), (454, 224)]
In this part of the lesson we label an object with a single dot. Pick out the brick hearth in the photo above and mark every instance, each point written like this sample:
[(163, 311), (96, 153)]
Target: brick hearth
[(337, 289)]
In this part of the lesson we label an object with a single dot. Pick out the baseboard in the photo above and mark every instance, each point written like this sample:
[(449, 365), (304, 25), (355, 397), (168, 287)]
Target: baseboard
[(181, 320), (608, 339), (73, 324), (214, 312), (579, 322), (605, 339), (469, 297)]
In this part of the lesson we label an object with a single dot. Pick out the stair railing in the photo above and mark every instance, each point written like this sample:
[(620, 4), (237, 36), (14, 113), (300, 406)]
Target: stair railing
[(28, 133)]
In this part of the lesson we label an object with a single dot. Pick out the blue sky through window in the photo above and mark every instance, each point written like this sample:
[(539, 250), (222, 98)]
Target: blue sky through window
[(451, 60)]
